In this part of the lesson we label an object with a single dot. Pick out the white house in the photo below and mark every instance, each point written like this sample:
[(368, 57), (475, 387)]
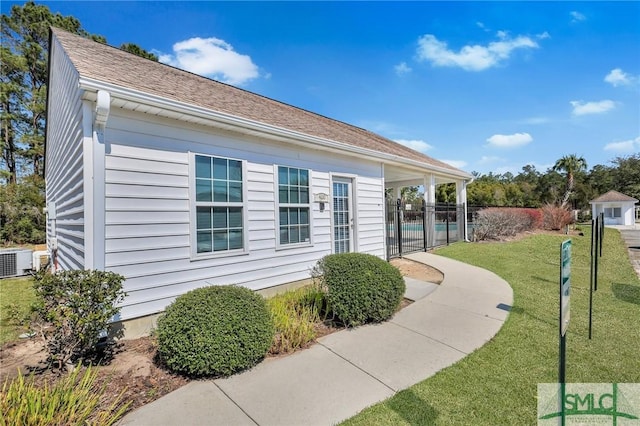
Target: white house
[(618, 209), (177, 181)]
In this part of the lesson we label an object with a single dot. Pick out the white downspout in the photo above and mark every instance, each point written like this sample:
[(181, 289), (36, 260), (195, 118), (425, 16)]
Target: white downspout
[(94, 180)]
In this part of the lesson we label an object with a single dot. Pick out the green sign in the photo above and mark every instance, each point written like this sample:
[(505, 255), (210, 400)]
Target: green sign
[(565, 285)]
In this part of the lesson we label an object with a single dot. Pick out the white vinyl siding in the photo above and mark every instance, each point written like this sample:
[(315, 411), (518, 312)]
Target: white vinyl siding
[(64, 164), (149, 235)]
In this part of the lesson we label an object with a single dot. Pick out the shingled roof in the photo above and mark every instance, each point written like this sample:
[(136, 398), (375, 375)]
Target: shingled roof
[(612, 197), (108, 64)]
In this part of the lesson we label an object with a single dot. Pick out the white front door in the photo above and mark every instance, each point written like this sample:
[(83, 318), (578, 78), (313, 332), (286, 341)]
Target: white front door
[(342, 216)]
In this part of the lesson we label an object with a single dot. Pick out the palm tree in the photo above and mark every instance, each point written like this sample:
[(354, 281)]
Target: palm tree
[(571, 164)]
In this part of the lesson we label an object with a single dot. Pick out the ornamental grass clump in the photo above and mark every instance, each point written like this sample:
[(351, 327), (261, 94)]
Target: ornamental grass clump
[(72, 400), (215, 331), (360, 287), (295, 315)]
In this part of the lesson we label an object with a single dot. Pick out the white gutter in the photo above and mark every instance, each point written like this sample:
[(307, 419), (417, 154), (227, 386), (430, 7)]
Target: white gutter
[(278, 133)]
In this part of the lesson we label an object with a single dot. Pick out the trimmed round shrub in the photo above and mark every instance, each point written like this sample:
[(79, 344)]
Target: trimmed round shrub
[(215, 331), (360, 287)]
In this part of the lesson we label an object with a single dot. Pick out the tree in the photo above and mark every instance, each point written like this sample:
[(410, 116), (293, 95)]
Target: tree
[(137, 50), (626, 175), (23, 91), (570, 164), (23, 78)]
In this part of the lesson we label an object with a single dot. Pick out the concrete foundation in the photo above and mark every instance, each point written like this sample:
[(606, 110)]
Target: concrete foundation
[(144, 326)]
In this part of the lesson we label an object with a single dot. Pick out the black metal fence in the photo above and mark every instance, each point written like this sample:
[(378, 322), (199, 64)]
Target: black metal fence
[(413, 227)]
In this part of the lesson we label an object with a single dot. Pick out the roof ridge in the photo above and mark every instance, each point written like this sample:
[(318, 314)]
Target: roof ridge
[(109, 64)]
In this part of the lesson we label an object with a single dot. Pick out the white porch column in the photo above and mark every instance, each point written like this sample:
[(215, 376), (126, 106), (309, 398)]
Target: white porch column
[(430, 188), (461, 198), (430, 211)]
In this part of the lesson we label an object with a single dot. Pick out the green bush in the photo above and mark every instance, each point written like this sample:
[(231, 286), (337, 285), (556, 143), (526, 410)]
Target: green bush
[(295, 315), (360, 287), (214, 331), (73, 400), (74, 309)]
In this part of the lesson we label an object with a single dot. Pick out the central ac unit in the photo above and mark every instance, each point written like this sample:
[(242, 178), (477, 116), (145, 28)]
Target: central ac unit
[(15, 262)]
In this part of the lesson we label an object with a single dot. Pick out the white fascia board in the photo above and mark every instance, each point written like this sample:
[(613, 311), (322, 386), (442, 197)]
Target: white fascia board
[(255, 127)]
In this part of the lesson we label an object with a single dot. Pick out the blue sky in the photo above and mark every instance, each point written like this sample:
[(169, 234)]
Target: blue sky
[(485, 86)]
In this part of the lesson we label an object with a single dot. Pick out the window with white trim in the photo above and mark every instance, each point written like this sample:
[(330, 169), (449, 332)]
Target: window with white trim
[(219, 221), (613, 212), (293, 205)]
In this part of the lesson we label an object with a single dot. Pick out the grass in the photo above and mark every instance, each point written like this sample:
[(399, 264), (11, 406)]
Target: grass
[(16, 297), (497, 384)]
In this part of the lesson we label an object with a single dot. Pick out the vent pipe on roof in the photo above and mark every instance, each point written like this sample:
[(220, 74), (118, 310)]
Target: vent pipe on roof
[(103, 105)]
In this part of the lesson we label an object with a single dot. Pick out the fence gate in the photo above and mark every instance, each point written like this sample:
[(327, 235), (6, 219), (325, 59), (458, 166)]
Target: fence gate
[(420, 226)]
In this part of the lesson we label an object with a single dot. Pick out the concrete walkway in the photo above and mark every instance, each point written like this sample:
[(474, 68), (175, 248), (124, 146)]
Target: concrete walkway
[(631, 237), (350, 370)]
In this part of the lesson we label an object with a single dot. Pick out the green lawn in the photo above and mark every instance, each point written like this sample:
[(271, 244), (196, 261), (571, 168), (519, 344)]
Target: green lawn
[(497, 384), (16, 296)]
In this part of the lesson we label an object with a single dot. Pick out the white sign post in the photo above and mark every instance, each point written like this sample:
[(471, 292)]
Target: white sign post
[(565, 289)]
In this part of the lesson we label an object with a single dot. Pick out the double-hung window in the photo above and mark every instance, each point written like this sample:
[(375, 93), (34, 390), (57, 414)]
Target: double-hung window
[(613, 212), (293, 206), (219, 205)]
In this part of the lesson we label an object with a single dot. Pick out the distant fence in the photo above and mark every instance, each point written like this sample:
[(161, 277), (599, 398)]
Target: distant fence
[(413, 227)]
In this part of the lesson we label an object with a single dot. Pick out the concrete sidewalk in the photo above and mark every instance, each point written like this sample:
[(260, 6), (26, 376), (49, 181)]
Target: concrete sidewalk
[(350, 370), (631, 237)]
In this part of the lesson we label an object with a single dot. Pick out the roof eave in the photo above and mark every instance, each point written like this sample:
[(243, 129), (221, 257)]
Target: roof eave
[(259, 128)]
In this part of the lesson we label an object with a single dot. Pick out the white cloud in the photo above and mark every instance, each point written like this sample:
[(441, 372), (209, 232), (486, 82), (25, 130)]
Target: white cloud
[(510, 141), (483, 26), (583, 108), (471, 57), (211, 57), (543, 36), (630, 146), (417, 145), (617, 77), (506, 169), (536, 120), (402, 68), (486, 159), (577, 16), (455, 163)]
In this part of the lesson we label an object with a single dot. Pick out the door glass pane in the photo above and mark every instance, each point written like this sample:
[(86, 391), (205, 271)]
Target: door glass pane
[(341, 221)]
